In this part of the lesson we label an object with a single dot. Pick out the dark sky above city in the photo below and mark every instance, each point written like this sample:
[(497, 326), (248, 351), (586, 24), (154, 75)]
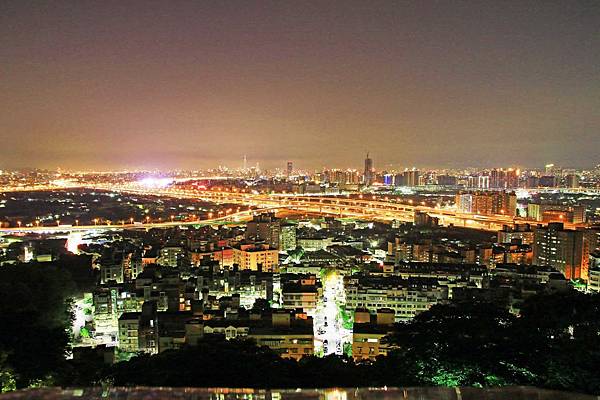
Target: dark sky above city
[(193, 84)]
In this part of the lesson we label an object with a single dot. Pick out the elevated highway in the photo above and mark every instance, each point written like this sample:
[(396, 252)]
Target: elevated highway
[(370, 207), (227, 217), (365, 206)]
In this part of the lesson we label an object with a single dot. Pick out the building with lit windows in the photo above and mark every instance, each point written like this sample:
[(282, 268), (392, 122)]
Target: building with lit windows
[(368, 332), (573, 214), (522, 233), (287, 237), (111, 273), (281, 331), (594, 272), (128, 332), (406, 297), (265, 228), (487, 203), (299, 296), (171, 256), (256, 257), (566, 250)]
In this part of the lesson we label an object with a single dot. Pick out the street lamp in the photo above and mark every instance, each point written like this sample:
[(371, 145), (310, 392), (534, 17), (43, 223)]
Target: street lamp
[(19, 223), (131, 220)]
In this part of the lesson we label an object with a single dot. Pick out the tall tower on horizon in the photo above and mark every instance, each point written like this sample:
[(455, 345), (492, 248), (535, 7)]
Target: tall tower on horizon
[(369, 170), (245, 163)]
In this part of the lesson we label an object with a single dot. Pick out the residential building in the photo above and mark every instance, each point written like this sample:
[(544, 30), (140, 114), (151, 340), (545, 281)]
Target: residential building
[(566, 250), (256, 257)]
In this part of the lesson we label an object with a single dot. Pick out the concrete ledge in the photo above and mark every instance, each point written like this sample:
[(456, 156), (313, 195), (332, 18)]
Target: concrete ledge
[(410, 393)]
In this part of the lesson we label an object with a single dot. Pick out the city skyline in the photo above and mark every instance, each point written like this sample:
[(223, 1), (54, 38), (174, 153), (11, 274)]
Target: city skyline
[(190, 85), (273, 169), (283, 167)]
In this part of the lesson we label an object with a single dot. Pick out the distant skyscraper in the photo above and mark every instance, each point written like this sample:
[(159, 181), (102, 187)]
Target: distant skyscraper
[(483, 182), (353, 176), (572, 181), (290, 168), (512, 178), (548, 181), (399, 180), (245, 165), (497, 178), (411, 177), (369, 171), (553, 170)]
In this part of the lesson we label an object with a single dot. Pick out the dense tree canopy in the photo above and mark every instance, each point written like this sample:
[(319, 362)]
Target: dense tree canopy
[(34, 320), (554, 343)]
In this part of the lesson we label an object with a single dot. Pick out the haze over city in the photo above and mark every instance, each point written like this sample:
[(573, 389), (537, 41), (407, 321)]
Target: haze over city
[(197, 84)]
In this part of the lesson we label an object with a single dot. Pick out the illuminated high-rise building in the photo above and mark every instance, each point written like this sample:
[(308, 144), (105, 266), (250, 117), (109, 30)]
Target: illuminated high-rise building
[(287, 237), (483, 182), (487, 203), (564, 249), (266, 228), (353, 176), (388, 179), (496, 178), (512, 178), (290, 168), (411, 177), (572, 181), (369, 171), (472, 181), (566, 213)]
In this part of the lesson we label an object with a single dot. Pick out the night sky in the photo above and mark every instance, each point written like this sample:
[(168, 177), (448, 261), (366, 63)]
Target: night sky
[(193, 84)]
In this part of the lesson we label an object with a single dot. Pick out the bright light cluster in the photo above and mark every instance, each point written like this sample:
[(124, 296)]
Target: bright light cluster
[(153, 182)]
